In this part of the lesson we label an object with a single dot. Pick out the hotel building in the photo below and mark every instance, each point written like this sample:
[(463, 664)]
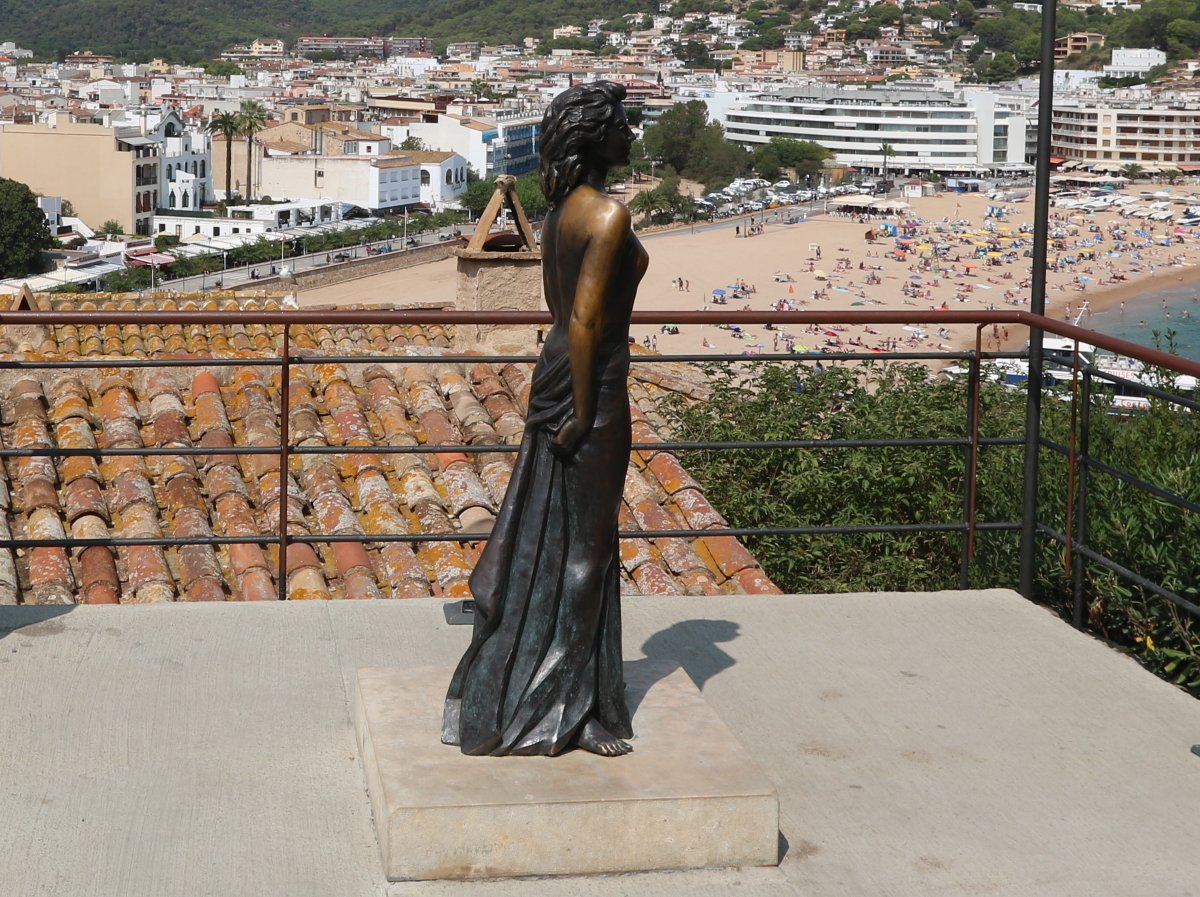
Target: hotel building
[(969, 131), (1163, 136)]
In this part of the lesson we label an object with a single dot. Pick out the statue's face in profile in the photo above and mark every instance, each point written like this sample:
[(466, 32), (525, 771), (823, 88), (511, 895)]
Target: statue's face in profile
[(617, 140)]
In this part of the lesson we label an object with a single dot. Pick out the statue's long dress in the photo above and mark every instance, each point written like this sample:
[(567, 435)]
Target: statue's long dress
[(545, 655)]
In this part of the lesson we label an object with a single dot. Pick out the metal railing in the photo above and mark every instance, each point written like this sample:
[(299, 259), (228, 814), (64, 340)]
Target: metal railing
[(1082, 464)]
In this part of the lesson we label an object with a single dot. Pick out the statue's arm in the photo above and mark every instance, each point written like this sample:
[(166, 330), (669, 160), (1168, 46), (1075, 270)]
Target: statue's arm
[(597, 272)]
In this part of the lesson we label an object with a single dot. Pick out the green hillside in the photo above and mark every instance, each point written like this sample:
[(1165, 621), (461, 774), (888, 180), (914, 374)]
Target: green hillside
[(195, 29)]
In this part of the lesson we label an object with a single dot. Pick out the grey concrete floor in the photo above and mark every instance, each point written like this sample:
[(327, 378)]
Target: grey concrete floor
[(922, 744)]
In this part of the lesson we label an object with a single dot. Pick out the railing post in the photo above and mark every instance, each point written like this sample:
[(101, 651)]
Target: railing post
[(1037, 303), (285, 384), (1078, 601)]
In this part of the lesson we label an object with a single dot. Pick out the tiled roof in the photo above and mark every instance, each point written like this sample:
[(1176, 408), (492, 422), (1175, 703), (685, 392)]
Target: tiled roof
[(409, 400), (173, 340)]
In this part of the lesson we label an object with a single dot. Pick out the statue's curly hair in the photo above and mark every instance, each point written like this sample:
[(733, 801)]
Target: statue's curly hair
[(575, 123)]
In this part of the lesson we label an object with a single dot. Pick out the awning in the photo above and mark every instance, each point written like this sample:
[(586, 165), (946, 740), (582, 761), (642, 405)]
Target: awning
[(149, 259)]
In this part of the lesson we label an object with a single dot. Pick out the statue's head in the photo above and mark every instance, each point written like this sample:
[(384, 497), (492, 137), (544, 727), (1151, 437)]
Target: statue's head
[(584, 129)]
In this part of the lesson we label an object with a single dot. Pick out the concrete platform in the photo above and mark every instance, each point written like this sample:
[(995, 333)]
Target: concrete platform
[(688, 797), (921, 745)]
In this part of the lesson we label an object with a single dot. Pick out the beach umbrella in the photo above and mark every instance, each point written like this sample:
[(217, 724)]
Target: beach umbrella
[(718, 292), (858, 303)]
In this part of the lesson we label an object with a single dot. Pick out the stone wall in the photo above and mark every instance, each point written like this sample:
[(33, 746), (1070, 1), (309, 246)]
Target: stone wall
[(498, 281), (361, 267)]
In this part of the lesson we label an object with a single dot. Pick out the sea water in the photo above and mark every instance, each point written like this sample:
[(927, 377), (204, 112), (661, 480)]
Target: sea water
[(1151, 316)]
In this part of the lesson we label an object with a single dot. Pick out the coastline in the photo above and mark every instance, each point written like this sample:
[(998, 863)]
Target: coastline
[(1135, 294), (833, 262)]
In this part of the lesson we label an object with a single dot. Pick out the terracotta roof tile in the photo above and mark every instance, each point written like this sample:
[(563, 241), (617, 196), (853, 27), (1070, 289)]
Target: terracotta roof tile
[(753, 581), (728, 554), (99, 583), (652, 579), (401, 403)]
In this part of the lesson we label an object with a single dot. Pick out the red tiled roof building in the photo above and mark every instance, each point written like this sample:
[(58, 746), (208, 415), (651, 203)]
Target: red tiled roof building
[(415, 397)]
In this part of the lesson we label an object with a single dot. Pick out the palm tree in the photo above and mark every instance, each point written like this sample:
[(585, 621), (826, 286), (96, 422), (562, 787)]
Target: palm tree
[(886, 150), (647, 203), (252, 118), (1133, 171), (226, 124)]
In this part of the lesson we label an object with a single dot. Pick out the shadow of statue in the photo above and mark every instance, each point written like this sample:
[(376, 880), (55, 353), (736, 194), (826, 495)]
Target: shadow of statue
[(690, 645), (33, 619)]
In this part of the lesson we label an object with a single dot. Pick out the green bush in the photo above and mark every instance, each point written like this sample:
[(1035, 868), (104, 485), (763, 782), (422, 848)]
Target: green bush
[(922, 485)]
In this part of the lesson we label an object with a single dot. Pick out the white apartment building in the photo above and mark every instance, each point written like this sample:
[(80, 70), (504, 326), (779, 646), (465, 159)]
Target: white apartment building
[(12, 51), (500, 143), (1130, 62), (1103, 129), (443, 177), (379, 184), (184, 156), (113, 170), (254, 219), (967, 131)]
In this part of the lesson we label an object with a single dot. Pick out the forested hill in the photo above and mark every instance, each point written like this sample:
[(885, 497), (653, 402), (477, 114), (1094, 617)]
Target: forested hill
[(196, 29)]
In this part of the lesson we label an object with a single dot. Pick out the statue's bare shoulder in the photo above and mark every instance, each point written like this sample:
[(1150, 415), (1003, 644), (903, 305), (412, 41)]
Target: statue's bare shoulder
[(601, 214)]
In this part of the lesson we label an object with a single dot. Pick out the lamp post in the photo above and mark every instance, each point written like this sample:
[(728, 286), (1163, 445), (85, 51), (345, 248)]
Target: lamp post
[(1037, 305)]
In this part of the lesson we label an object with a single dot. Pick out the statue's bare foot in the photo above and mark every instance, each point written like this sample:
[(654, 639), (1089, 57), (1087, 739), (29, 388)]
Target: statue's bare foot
[(597, 739)]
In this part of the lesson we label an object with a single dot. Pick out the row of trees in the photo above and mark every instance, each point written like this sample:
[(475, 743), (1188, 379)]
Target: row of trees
[(248, 121), (921, 486)]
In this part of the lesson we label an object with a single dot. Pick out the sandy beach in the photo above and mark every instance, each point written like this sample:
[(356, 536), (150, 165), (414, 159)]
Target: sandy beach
[(944, 254)]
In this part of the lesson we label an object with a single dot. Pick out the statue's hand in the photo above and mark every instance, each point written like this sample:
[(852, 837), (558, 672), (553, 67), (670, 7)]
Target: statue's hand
[(567, 439)]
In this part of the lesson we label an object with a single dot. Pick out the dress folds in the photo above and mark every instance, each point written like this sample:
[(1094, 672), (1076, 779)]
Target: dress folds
[(545, 654)]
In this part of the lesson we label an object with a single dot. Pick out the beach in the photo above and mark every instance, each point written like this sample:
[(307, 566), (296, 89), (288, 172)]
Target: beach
[(944, 252)]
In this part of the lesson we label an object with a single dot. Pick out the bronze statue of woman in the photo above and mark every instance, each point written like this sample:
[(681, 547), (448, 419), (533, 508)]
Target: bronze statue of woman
[(543, 671)]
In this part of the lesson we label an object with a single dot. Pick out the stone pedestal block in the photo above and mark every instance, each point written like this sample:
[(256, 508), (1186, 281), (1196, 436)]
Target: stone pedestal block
[(498, 281), (687, 797)]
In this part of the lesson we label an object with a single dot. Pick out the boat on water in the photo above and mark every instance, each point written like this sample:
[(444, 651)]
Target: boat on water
[(1121, 378)]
